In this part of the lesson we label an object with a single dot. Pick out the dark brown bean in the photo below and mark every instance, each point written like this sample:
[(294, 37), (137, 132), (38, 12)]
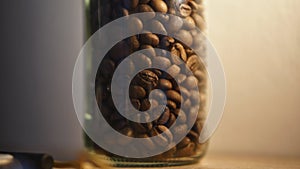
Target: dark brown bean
[(171, 120), (164, 117), (173, 70), (161, 62), (183, 143), (186, 151), (150, 50), (163, 129), (185, 10), (164, 84), (185, 37), (189, 23), (172, 105), (175, 96), (159, 6), (146, 8), (137, 92), (193, 63), (149, 39), (135, 24), (157, 27), (107, 68), (136, 103), (200, 23), (145, 105)]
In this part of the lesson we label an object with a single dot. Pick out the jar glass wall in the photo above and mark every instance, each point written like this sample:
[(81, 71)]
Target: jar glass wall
[(185, 94)]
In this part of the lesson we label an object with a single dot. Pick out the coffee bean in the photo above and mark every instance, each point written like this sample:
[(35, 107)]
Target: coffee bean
[(180, 78), (137, 92), (147, 142), (164, 84), (171, 121), (187, 104), (145, 105), (159, 139), (173, 95), (193, 63), (190, 82), (200, 23), (183, 143), (136, 103), (196, 7), (133, 43), (174, 24), (142, 61), (163, 129), (107, 68), (119, 51), (147, 79), (157, 27), (185, 10), (164, 117), (146, 8), (161, 62), (135, 24), (172, 105), (150, 50), (180, 130), (182, 117), (185, 37), (159, 6), (149, 39), (165, 42), (186, 151), (130, 4), (193, 136), (189, 23), (173, 70)]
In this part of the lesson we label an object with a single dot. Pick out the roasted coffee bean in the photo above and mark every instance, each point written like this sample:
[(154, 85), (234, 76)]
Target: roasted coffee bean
[(182, 116), (164, 84), (193, 63), (185, 10), (190, 82), (142, 61), (187, 104), (159, 139), (196, 7), (163, 18), (157, 27), (130, 4), (145, 105), (193, 136), (172, 105), (163, 129), (164, 116), (119, 51), (174, 70), (180, 130), (174, 24), (149, 39), (185, 36), (171, 121), (146, 8), (107, 68), (186, 151), (200, 75), (184, 92), (198, 127), (150, 50), (165, 42), (137, 92), (133, 42), (200, 23), (135, 24), (147, 142), (157, 95), (138, 127), (161, 62), (189, 23), (173, 95), (159, 6), (179, 51), (147, 79), (136, 103), (183, 143), (119, 11), (180, 78)]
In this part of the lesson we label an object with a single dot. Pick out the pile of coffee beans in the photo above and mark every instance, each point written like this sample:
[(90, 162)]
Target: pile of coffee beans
[(179, 99)]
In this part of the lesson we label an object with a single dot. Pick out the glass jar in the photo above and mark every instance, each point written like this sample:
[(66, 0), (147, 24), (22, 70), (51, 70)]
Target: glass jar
[(184, 93)]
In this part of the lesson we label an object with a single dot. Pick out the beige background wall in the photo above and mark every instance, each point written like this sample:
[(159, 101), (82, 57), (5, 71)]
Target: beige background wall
[(259, 44)]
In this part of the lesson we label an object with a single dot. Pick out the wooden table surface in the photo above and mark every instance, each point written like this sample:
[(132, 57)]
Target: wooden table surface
[(233, 162)]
